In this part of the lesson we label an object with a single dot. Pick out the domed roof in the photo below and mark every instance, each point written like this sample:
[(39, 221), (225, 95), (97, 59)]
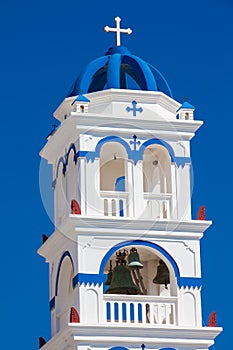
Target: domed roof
[(119, 69)]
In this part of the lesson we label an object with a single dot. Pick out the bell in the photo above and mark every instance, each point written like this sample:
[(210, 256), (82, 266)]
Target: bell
[(133, 259), (109, 277), (162, 276), (122, 282)]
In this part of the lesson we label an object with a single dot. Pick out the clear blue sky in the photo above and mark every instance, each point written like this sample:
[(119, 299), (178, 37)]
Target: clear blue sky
[(44, 45)]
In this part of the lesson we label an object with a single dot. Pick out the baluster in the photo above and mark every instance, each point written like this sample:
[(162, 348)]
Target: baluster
[(151, 313), (135, 312), (112, 312), (105, 207), (128, 312), (144, 307), (168, 208), (117, 207), (156, 313), (172, 316), (120, 311), (167, 313), (113, 207)]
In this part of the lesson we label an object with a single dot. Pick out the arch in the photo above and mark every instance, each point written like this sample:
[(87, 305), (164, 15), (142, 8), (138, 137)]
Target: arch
[(156, 141), (150, 82), (118, 348), (60, 161), (65, 254), (113, 165), (85, 78), (142, 243), (71, 176), (156, 169), (111, 139), (72, 147)]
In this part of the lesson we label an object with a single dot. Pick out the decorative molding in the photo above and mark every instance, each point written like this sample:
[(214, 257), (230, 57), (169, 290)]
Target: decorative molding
[(189, 282), (89, 278), (65, 254)]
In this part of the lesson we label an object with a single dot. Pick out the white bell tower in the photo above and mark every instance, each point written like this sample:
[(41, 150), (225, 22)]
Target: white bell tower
[(124, 258)]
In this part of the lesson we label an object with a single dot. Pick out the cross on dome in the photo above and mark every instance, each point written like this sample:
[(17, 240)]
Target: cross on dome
[(118, 30)]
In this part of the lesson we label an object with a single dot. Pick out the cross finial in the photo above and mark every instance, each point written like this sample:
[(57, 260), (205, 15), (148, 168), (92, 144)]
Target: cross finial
[(118, 30)]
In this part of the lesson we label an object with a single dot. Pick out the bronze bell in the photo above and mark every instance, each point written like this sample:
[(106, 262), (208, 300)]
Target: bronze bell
[(162, 276), (109, 277), (122, 282), (133, 259)]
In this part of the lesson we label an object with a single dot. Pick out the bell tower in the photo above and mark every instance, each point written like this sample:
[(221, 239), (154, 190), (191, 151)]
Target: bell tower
[(124, 257)]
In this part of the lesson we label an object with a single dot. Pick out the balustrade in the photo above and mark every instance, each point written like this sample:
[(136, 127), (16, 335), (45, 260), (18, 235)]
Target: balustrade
[(140, 309)]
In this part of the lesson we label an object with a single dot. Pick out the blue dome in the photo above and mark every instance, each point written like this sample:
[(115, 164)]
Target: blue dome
[(119, 69)]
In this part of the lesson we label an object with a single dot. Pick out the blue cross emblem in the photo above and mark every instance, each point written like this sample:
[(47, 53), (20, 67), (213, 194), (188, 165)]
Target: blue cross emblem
[(135, 142), (134, 108)]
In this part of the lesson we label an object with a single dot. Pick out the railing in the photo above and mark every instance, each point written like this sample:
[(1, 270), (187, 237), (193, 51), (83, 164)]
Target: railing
[(114, 203), (157, 206), (140, 309)]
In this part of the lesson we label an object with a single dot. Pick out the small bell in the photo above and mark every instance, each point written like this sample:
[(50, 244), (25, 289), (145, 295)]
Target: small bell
[(162, 276), (109, 277), (133, 259)]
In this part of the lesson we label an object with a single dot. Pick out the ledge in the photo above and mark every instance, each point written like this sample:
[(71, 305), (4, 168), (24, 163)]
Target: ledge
[(131, 336)]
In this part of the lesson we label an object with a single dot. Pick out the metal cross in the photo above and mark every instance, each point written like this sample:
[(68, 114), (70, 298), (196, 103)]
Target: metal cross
[(135, 142), (118, 30), (134, 109)]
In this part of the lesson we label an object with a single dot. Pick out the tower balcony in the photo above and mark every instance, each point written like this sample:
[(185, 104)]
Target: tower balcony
[(139, 310), (122, 204)]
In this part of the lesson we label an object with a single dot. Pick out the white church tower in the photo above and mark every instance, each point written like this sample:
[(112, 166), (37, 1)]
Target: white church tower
[(124, 259)]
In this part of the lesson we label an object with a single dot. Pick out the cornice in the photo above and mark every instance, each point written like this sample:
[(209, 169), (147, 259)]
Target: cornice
[(133, 335), (80, 225)]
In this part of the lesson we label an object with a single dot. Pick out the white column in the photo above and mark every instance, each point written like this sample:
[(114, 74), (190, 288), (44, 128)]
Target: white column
[(82, 185), (138, 189), (174, 204), (94, 203), (130, 188), (183, 192)]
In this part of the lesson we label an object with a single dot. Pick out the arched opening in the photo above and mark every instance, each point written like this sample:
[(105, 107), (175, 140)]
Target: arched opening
[(60, 195), (156, 170), (113, 166), (114, 185), (144, 274), (157, 182), (65, 293), (144, 277), (71, 179)]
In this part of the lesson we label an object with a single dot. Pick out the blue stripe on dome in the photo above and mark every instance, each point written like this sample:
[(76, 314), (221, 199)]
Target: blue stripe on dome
[(113, 73), (148, 76), (128, 59), (160, 79), (85, 78)]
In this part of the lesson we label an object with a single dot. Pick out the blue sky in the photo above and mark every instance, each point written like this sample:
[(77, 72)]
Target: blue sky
[(43, 46)]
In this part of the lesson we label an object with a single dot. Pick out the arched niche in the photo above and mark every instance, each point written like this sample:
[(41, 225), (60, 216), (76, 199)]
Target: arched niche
[(113, 166), (64, 291), (71, 178), (189, 310), (156, 170), (60, 193)]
